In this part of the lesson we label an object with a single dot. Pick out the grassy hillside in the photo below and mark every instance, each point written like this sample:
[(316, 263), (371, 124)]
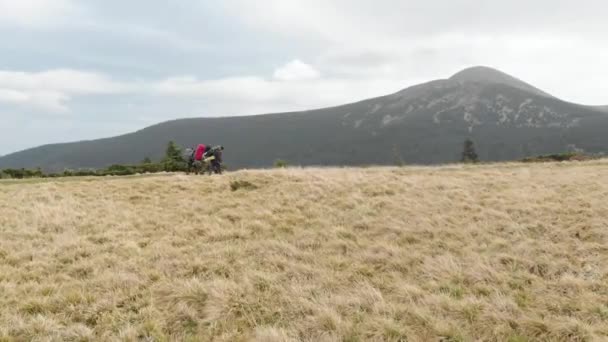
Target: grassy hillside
[(505, 252)]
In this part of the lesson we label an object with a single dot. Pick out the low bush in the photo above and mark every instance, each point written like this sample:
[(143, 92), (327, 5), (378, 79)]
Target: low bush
[(20, 173), (242, 184), (280, 163), (570, 156)]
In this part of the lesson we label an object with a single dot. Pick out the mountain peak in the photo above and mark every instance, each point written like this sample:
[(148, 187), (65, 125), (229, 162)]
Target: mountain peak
[(483, 74)]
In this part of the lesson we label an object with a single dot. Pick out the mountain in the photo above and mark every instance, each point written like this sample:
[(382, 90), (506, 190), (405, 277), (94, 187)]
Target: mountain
[(488, 75), (426, 124), (602, 108)]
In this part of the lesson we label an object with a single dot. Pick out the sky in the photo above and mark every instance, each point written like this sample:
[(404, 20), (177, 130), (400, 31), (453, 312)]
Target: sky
[(85, 69)]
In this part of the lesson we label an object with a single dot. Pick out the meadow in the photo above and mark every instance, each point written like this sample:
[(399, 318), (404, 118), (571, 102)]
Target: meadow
[(502, 252)]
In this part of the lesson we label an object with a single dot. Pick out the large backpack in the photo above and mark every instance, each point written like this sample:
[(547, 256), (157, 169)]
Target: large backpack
[(189, 155), (200, 150)]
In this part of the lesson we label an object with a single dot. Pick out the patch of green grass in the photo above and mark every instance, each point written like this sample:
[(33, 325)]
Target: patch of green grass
[(602, 312), (522, 299), (33, 308), (454, 291), (393, 332)]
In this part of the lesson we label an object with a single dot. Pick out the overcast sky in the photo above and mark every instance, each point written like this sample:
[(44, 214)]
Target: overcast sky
[(83, 69)]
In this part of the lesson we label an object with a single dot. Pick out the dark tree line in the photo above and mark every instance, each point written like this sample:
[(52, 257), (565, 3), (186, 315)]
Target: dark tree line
[(171, 162)]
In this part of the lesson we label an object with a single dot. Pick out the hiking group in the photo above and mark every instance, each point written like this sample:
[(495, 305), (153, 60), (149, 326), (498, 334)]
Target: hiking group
[(204, 158)]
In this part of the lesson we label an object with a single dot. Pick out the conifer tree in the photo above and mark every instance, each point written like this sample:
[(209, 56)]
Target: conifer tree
[(468, 154), (173, 160)]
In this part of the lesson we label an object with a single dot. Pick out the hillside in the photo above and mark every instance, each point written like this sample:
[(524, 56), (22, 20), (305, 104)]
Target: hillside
[(603, 108), (425, 124), (506, 252), (489, 75)]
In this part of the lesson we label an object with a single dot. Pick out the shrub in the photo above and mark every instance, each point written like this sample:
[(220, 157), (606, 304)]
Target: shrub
[(113, 170), (14, 173), (150, 168), (242, 184), (468, 154), (120, 170), (280, 163), (559, 157)]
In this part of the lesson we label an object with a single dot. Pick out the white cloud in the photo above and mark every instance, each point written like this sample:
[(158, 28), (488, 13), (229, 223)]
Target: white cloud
[(51, 90), (54, 89), (52, 101), (256, 95), (250, 89), (65, 80), (35, 13), (296, 70), (295, 86), (46, 100), (359, 21), (12, 96)]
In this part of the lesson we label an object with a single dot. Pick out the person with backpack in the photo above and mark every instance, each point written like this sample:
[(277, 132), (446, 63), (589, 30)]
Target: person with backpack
[(212, 150), (214, 156), (197, 157)]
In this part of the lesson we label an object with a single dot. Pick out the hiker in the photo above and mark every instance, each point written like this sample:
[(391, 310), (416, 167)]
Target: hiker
[(194, 158), (201, 156), (189, 157), (215, 164), (212, 150)]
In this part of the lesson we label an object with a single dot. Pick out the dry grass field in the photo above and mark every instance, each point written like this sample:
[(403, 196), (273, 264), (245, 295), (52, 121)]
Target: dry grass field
[(505, 252)]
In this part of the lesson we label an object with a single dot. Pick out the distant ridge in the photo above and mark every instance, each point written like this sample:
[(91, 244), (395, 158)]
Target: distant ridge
[(424, 124), (602, 108)]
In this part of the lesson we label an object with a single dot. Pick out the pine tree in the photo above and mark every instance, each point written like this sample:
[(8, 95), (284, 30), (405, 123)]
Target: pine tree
[(173, 152), (173, 160), (468, 154)]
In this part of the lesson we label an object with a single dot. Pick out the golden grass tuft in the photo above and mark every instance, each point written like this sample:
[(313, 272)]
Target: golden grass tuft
[(505, 252)]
